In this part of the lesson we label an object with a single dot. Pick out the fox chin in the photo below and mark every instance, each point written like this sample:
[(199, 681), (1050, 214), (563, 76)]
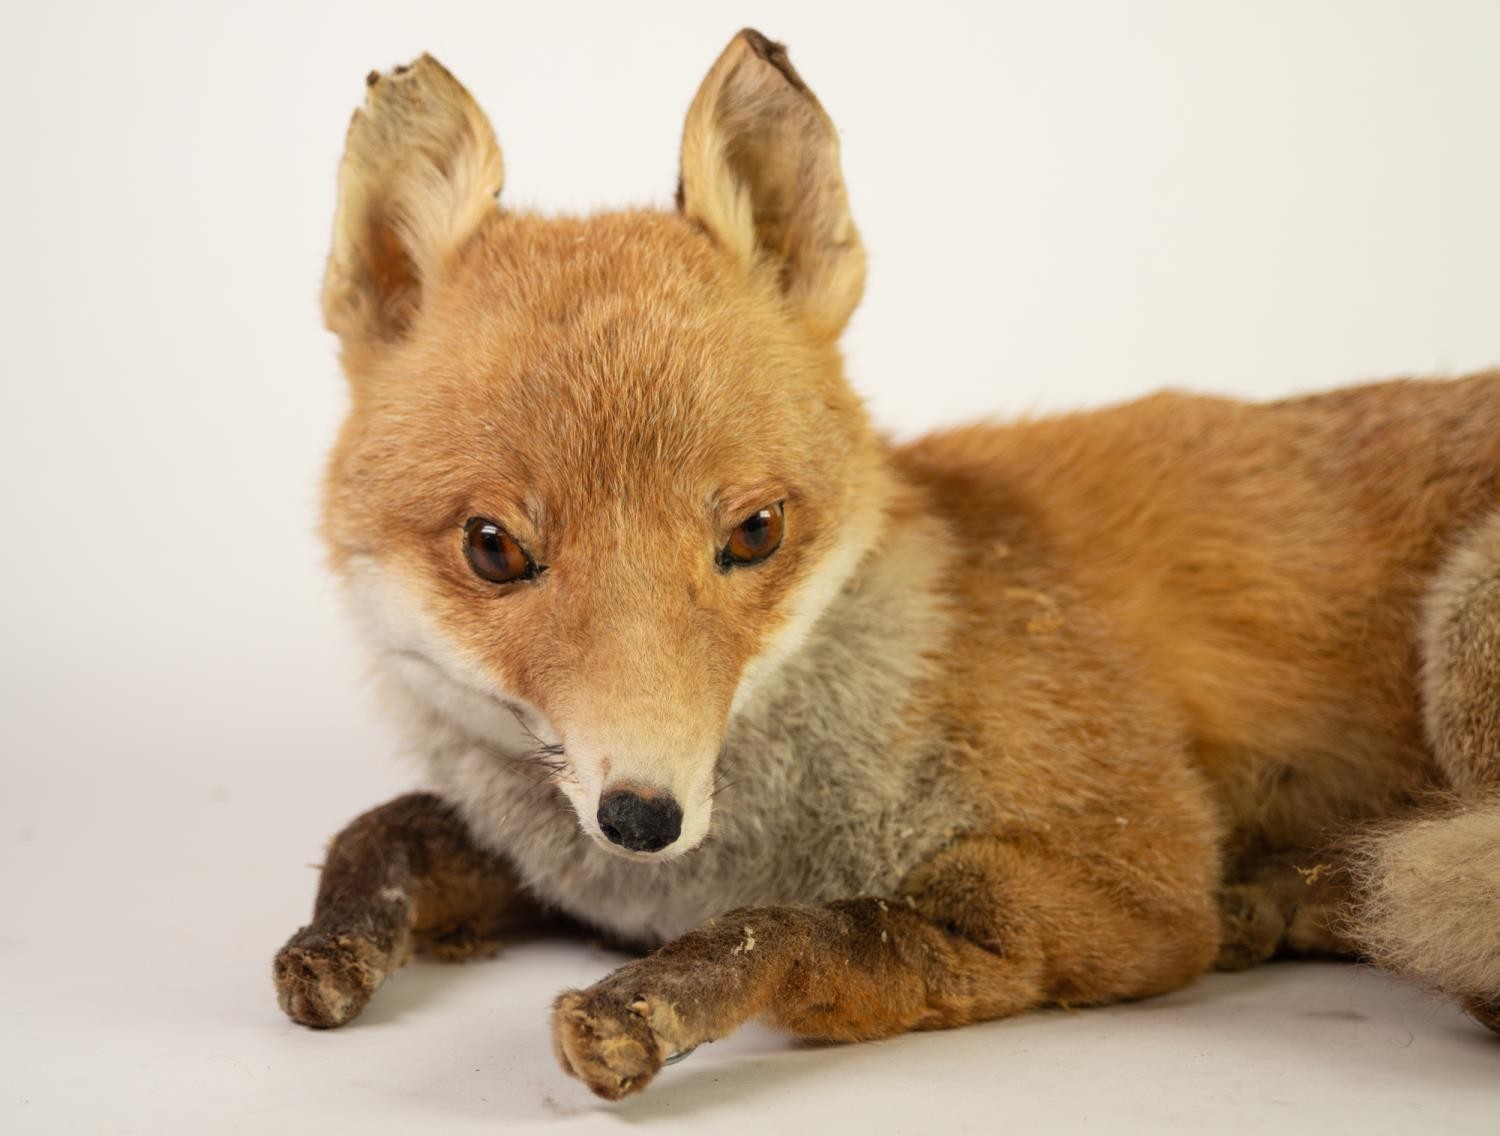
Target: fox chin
[(859, 737)]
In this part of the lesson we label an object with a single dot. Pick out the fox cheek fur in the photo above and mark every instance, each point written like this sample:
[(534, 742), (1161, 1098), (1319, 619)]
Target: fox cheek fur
[(1065, 711)]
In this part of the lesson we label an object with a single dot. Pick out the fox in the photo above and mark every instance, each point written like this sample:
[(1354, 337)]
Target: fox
[(854, 736)]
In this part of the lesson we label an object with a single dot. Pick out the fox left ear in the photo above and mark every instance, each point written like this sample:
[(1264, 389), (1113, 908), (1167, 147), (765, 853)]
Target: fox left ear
[(760, 172)]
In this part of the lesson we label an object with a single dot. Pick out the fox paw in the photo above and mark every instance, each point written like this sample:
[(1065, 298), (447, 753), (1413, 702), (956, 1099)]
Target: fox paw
[(613, 1045), (323, 978), (1251, 927)]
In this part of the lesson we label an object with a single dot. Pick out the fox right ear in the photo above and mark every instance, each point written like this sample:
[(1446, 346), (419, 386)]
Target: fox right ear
[(421, 171), (760, 173)]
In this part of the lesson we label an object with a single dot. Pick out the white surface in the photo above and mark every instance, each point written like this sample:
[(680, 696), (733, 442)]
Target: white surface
[(139, 1001), (1065, 203)]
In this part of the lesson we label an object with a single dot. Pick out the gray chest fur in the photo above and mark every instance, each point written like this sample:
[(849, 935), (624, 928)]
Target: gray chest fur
[(827, 791)]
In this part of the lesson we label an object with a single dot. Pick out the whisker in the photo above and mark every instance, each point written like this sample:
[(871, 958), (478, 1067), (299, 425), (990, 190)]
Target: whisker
[(515, 712), (719, 788), (526, 796)]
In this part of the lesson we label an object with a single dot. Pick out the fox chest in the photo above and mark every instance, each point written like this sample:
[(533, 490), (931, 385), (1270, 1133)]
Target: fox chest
[(796, 822)]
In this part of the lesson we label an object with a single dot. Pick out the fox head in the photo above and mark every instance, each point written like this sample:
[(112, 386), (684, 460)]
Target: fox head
[(599, 476)]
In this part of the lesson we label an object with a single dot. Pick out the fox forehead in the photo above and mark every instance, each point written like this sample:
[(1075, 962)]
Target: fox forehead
[(571, 369)]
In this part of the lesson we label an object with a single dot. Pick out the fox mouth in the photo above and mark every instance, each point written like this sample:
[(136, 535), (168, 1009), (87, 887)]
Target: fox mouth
[(664, 856)]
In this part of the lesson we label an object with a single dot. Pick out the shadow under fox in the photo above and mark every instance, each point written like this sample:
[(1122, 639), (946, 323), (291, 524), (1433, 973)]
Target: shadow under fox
[(866, 738)]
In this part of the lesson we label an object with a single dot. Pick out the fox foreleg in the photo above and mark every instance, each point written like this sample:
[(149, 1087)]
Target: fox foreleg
[(402, 877), (986, 930)]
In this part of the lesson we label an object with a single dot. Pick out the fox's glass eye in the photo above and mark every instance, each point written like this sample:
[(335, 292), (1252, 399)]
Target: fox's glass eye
[(495, 555), (755, 538)]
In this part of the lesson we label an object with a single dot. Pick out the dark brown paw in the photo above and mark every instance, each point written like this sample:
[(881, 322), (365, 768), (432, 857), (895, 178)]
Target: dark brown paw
[(613, 1046), (1251, 927), (323, 979)]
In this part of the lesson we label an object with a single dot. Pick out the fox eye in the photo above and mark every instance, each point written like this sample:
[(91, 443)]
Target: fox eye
[(495, 555), (755, 538)]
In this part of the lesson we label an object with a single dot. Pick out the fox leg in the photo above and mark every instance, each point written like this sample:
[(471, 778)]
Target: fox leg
[(986, 930), (1429, 902), (404, 876)]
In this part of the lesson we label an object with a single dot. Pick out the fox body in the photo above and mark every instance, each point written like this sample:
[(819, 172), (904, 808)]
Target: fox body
[(866, 738)]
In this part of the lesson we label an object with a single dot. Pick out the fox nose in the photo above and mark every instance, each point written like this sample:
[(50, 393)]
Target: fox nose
[(638, 822)]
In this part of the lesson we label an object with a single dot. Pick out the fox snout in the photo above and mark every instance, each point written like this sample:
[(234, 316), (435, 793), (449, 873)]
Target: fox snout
[(649, 798), (639, 820)]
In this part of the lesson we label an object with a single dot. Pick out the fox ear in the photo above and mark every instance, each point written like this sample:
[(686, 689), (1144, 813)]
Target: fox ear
[(760, 172), (420, 173)]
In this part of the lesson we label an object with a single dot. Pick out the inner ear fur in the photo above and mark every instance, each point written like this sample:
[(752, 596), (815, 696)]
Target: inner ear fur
[(760, 173), (420, 173)]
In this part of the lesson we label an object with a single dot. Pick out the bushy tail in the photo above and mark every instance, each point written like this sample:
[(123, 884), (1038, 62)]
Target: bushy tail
[(1428, 903)]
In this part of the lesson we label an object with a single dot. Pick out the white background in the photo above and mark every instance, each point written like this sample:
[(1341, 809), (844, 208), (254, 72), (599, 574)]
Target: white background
[(1065, 204)]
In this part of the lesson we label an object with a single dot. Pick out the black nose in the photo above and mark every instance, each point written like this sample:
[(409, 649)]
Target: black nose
[(642, 824)]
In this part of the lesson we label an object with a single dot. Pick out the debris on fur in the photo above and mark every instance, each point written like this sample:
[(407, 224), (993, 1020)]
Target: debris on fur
[(1310, 875)]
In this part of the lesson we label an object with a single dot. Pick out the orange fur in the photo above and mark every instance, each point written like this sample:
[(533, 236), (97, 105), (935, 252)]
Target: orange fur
[(1148, 661)]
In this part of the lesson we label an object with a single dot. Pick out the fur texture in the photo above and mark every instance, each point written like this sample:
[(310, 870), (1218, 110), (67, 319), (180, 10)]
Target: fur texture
[(1429, 903), (1064, 711), (1461, 653)]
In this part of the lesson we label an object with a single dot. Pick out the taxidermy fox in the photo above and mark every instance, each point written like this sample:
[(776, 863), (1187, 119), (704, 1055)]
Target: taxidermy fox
[(866, 738)]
